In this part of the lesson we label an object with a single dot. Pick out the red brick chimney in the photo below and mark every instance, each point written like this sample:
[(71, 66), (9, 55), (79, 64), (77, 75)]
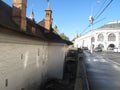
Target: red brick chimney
[(19, 13), (48, 17)]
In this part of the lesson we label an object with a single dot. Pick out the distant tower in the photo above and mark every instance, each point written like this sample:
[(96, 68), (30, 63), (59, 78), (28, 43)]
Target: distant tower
[(19, 13), (32, 16), (48, 17), (77, 35)]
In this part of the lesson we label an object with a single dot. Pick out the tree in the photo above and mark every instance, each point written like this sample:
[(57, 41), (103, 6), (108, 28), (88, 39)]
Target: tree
[(56, 29), (63, 36)]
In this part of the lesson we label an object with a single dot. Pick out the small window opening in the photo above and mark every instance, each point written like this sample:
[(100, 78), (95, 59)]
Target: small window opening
[(21, 56), (6, 82)]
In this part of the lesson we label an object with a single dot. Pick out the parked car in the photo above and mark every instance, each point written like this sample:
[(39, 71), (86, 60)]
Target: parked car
[(98, 49), (110, 48), (85, 48), (71, 55), (80, 53), (116, 50)]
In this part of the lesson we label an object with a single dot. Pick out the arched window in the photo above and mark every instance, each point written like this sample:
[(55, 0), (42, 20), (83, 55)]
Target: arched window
[(100, 37), (111, 37), (92, 39)]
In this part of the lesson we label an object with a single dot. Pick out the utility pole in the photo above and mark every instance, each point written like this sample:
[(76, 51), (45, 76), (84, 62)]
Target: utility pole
[(91, 19)]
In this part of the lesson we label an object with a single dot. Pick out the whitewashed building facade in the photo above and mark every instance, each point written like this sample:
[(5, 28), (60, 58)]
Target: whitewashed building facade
[(107, 36), (30, 52)]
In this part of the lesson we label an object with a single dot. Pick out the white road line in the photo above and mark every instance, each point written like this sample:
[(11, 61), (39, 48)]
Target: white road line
[(113, 62), (108, 60)]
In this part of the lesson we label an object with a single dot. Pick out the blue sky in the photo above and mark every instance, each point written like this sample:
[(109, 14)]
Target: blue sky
[(71, 16)]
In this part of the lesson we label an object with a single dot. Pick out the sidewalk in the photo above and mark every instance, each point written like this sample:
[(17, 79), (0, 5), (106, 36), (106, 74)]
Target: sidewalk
[(81, 82)]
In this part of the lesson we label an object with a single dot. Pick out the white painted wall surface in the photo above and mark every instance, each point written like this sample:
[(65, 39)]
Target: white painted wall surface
[(22, 65), (25, 61), (56, 57)]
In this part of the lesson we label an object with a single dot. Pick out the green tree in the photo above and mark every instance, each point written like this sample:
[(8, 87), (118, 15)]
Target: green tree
[(56, 29), (63, 36)]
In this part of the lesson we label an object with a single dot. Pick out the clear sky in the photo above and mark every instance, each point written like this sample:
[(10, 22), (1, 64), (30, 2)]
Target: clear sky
[(71, 16)]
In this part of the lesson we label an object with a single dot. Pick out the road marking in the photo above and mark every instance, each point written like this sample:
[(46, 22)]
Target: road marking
[(113, 62), (108, 60), (105, 59)]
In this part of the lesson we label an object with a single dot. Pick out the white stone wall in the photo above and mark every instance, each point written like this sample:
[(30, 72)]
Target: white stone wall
[(56, 57), (22, 66), (25, 61)]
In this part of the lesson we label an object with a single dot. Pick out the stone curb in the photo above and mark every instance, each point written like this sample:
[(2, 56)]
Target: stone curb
[(81, 82)]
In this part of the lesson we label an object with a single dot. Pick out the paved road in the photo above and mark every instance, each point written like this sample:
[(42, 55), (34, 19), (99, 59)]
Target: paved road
[(103, 70)]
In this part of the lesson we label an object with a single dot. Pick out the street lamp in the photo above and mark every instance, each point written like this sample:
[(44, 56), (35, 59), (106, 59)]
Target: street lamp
[(91, 19)]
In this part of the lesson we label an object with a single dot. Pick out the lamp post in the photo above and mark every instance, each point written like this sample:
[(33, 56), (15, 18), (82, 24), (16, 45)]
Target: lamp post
[(91, 19)]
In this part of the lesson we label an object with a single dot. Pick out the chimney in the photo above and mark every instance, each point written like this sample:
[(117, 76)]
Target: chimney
[(19, 13), (48, 17)]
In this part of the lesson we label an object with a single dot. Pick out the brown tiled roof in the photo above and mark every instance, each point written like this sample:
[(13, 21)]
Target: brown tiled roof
[(56, 38), (39, 29)]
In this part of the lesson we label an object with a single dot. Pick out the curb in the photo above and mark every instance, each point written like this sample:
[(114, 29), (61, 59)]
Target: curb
[(81, 82)]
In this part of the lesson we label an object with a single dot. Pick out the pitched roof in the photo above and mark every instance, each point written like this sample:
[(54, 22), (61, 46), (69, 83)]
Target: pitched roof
[(42, 23), (48, 7), (115, 25)]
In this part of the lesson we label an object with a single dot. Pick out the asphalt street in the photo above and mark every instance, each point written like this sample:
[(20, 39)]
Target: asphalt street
[(103, 70)]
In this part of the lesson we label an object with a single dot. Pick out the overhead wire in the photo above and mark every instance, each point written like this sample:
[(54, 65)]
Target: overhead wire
[(103, 9), (85, 29), (98, 15)]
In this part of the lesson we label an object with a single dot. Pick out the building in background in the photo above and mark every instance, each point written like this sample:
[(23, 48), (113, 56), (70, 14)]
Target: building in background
[(107, 37)]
